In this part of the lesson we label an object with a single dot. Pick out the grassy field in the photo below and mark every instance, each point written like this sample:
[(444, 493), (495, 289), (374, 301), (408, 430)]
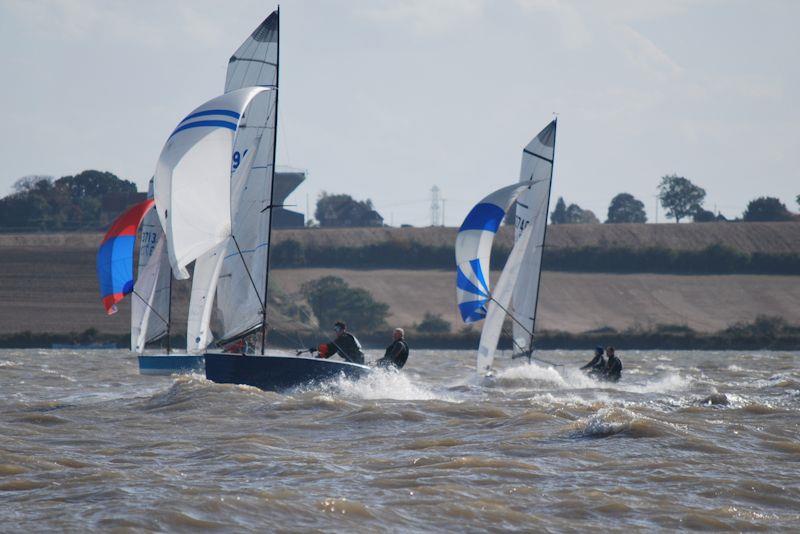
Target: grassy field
[(47, 282), (770, 238)]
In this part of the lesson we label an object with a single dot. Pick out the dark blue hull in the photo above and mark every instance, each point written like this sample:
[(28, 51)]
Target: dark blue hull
[(275, 373), (167, 365)]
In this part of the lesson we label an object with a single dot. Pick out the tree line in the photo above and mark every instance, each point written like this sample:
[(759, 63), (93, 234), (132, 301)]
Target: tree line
[(76, 202), (69, 203), (680, 198)]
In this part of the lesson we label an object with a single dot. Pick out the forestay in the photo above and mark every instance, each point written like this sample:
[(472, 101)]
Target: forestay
[(150, 308), (193, 178), (240, 289), (531, 210)]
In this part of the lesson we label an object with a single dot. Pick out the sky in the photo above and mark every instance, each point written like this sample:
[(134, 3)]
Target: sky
[(385, 99)]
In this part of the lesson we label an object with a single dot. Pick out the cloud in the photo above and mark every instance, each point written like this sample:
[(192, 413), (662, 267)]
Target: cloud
[(644, 54), (95, 20), (428, 16), (574, 31)]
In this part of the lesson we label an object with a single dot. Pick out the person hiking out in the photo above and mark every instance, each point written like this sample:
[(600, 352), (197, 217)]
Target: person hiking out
[(344, 344), (597, 366), (396, 353), (613, 370)]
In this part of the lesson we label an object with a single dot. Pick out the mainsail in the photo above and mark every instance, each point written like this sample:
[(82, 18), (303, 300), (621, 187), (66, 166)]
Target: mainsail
[(150, 309), (517, 289), (532, 209), (241, 284)]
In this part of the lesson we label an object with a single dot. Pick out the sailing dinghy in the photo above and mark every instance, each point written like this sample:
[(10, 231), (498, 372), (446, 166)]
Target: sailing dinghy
[(150, 304), (516, 294), (213, 194)]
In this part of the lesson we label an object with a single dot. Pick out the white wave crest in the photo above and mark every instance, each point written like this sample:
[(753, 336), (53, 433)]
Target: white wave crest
[(385, 384), (549, 377)]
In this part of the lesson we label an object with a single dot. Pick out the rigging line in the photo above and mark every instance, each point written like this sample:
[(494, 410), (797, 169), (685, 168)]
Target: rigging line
[(151, 308), (260, 302), (514, 341), (511, 315)]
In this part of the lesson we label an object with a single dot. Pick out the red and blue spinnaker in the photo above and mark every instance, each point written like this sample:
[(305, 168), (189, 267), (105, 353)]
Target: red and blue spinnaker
[(115, 257)]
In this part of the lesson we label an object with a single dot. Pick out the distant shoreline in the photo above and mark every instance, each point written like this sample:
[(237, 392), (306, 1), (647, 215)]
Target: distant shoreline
[(548, 340)]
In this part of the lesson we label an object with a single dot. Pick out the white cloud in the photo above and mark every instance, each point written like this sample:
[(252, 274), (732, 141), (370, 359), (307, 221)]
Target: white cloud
[(574, 30), (423, 15)]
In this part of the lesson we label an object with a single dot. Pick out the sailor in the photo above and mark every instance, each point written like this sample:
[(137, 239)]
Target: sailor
[(597, 366), (613, 370), (344, 344), (396, 353)]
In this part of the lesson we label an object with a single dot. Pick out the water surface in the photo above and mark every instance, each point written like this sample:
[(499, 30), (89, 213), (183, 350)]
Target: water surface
[(694, 440)]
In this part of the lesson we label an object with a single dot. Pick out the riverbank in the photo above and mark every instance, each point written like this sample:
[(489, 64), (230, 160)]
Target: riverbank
[(765, 333)]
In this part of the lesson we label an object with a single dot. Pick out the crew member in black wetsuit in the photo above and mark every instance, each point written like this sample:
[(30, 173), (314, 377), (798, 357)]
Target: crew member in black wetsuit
[(396, 353), (597, 367), (345, 345), (613, 366)]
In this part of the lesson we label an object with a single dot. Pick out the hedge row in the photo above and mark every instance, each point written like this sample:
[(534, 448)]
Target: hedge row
[(715, 259)]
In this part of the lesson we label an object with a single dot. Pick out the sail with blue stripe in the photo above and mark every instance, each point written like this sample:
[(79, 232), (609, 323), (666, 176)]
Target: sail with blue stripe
[(473, 251)]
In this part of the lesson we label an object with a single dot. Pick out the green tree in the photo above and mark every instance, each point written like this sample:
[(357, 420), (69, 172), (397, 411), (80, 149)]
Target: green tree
[(69, 202), (766, 209), (433, 324), (701, 216), (332, 299), (577, 215), (625, 208), (344, 211), (93, 184), (680, 197), (559, 214)]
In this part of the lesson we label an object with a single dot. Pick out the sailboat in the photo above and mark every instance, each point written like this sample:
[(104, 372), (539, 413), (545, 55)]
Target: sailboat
[(150, 304), (213, 196), (151, 310), (516, 294)]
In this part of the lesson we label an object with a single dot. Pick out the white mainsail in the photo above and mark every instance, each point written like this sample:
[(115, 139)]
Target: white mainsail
[(517, 290), (150, 305), (532, 209), (240, 289)]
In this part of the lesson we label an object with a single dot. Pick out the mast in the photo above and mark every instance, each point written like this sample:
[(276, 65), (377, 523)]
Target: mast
[(271, 185), (169, 310), (544, 236)]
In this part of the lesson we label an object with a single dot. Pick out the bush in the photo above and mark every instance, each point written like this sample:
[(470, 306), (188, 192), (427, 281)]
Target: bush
[(766, 209), (332, 299), (433, 324)]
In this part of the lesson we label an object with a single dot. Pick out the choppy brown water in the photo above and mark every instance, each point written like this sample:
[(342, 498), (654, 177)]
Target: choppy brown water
[(687, 440)]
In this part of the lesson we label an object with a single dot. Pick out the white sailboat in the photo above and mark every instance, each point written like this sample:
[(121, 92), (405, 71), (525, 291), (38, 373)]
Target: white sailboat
[(213, 194), (517, 292), (237, 305)]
